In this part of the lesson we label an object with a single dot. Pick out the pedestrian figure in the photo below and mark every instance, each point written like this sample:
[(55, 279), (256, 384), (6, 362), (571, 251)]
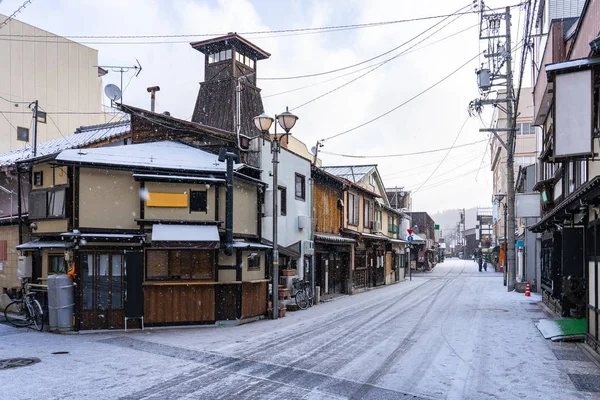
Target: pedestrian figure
[(485, 265), (480, 263)]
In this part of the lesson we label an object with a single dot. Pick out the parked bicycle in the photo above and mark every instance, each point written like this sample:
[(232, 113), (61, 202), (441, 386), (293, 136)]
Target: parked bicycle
[(304, 294), (25, 311)]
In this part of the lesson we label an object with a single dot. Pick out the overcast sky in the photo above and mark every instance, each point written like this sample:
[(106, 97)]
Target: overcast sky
[(431, 121)]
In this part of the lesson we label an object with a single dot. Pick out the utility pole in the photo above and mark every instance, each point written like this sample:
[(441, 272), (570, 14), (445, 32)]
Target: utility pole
[(35, 128), (510, 169), (499, 54)]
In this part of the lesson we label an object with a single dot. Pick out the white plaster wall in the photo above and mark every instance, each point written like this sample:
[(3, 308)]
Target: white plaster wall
[(288, 232), (57, 72)]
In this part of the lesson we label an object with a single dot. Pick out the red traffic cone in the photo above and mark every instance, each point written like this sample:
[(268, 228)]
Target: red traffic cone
[(527, 290)]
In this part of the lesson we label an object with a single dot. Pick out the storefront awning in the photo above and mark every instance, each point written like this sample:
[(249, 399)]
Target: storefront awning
[(38, 244), (197, 236), (331, 238), (587, 191), (251, 246), (104, 237), (398, 241), (370, 236), (571, 65)]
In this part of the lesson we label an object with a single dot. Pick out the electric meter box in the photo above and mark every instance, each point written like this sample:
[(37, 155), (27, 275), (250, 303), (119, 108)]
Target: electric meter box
[(24, 267)]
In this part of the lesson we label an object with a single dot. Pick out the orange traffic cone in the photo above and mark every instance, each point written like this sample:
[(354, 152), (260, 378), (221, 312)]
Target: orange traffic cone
[(527, 290)]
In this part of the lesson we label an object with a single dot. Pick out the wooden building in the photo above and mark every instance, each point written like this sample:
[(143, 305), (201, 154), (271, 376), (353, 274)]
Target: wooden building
[(566, 99), (357, 236), (149, 219)]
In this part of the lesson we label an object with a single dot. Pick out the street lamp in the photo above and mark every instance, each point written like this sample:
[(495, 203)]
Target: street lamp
[(263, 122), (499, 197)]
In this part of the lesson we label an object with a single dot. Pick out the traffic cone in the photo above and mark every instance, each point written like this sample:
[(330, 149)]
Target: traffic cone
[(527, 290)]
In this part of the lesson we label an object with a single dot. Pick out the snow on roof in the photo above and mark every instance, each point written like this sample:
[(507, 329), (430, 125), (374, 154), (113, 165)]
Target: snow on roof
[(353, 173), (164, 155), (83, 136)]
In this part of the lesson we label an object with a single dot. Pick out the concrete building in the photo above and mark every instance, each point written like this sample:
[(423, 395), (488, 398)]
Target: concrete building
[(525, 150), (60, 74)]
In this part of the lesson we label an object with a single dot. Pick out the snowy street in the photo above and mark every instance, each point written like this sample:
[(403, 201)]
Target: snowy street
[(453, 333)]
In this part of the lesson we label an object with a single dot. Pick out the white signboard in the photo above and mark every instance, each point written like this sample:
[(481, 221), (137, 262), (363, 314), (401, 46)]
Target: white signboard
[(573, 121), (495, 211), (528, 205)]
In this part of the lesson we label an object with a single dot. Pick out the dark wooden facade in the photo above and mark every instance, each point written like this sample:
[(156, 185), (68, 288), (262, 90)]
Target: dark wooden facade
[(328, 207), (216, 104), (203, 302)]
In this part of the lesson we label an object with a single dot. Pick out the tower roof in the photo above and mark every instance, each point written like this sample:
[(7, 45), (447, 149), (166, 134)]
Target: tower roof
[(225, 42)]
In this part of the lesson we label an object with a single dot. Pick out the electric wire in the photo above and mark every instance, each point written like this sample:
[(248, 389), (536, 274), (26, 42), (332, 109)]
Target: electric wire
[(438, 184), (454, 168), (384, 62), (401, 154), (348, 66), (446, 155), (404, 103), (369, 66), (245, 33)]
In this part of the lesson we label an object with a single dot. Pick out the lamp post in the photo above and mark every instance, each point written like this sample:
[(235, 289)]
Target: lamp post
[(500, 197), (263, 122)]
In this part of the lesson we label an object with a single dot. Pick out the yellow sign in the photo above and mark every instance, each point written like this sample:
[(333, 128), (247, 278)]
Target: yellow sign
[(176, 200)]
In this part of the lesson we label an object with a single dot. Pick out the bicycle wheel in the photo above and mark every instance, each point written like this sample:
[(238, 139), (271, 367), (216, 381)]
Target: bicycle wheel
[(38, 315), (16, 313), (301, 299), (310, 296)]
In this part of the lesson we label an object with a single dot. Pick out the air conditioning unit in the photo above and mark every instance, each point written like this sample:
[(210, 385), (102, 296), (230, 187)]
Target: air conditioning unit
[(308, 247), (24, 267), (303, 222), (377, 226)]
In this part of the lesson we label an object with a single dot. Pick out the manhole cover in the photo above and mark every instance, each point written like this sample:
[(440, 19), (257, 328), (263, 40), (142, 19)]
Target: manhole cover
[(17, 362)]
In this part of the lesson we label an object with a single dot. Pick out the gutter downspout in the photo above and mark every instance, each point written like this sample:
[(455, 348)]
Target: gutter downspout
[(229, 156)]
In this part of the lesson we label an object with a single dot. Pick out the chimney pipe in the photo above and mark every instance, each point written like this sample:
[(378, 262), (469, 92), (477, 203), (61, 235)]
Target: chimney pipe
[(152, 90)]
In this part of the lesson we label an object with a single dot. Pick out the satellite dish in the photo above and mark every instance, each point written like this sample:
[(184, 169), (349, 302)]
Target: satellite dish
[(112, 92), (313, 150)]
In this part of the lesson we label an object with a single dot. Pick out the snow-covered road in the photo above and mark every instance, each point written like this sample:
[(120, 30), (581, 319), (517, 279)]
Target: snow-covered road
[(453, 333)]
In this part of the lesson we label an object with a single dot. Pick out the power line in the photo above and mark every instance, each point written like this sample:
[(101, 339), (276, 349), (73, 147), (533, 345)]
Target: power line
[(10, 17), (406, 102), (446, 155), (353, 65), (470, 160), (437, 184), (7, 120), (56, 125), (393, 175), (58, 112), (400, 155), (248, 33), (384, 62)]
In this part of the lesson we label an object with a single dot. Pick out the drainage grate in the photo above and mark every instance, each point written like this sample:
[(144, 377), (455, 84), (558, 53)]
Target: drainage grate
[(60, 352), (570, 355), (586, 383), (17, 362)]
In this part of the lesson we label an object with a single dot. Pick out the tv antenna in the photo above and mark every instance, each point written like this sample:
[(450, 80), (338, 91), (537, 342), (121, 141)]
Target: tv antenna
[(122, 69)]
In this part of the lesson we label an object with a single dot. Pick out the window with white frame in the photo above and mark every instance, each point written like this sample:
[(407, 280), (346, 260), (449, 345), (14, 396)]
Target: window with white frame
[(525, 129), (368, 217), (353, 209)]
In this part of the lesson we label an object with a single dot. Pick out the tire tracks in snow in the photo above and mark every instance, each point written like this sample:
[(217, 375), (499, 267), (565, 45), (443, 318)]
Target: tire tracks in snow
[(355, 315), (403, 347), (350, 341)]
